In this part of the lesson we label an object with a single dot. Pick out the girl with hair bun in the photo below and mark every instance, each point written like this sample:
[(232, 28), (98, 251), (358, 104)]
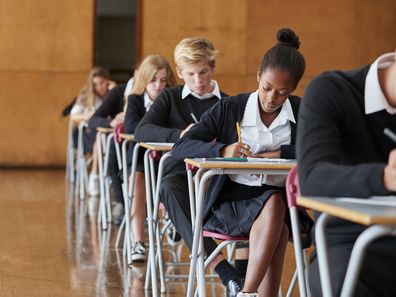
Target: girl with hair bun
[(251, 205)]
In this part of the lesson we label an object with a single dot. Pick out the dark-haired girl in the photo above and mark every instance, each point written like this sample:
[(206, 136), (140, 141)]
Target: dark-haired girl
[(253, 205)]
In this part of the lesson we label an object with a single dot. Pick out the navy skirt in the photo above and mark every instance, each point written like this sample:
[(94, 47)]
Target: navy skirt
[(238, 207)]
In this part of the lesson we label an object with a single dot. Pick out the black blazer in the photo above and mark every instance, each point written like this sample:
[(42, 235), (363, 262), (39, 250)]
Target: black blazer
[(134, 113), (219, 123)]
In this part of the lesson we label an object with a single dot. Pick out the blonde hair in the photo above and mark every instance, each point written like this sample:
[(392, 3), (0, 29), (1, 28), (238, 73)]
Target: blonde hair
[(87, 93), (146, 72), (193, 50)]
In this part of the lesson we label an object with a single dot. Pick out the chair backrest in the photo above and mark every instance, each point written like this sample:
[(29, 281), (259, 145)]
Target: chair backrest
[(117, 131), (292, 187)]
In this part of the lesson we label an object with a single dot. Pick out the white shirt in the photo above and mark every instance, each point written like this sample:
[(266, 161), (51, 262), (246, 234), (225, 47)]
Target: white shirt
[(374, 98), (80, 109), (147, 101), (261, 138), (216, 91), (129, 86)]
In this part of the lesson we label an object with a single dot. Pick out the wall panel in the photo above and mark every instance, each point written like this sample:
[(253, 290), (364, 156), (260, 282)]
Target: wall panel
[(45, 54)]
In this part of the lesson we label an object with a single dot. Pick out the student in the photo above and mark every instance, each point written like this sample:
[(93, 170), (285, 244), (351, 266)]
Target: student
[(241, 205), (343, 152), (97, 86), (153, 76), (111, 114), (169, 118)]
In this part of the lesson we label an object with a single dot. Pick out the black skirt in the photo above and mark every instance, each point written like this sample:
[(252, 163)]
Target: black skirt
[(238, 207)]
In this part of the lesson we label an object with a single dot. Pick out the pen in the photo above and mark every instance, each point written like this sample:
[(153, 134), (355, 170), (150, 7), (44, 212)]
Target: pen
[(194, 118), (388, 132), (238, 132)]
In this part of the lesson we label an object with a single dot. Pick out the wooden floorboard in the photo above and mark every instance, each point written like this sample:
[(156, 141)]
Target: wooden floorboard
[(51, 245)]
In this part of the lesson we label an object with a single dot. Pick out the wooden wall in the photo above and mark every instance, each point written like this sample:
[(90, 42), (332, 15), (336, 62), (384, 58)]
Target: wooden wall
[(337, 35), (46, 51)]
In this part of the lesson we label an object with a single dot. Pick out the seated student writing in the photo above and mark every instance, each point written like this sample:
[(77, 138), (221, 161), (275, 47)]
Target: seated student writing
[(241, 205), (154, 75), (97, 87), (111, 114), (343, 152), (170, 116)]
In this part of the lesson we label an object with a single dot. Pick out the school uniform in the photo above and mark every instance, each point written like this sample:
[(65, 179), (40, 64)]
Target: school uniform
[(342, 152), (167, 117), (233, 202), (113, 105), (137, 107)]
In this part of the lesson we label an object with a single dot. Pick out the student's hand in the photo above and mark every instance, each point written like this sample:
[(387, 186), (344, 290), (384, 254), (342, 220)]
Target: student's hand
[(185, 130), (111, 84), (236, 150), (390, 172), (273, 154), (119, 119)]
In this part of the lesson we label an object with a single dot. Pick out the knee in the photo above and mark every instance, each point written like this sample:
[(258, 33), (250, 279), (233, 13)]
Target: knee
[(276, 204)]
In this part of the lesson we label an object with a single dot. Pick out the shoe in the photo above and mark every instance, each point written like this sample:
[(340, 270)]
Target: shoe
[(173, 236), (242, 294), (118, 213), (234, 286), (93, 185), (138, 252)]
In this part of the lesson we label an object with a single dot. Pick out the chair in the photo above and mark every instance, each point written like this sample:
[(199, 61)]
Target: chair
[(293, 191)]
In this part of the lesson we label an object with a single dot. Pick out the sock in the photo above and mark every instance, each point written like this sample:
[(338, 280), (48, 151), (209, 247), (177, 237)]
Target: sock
[(241, 267), (226, 272)]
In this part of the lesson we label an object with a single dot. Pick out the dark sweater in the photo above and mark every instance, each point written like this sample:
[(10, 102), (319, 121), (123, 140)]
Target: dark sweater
[(167, 117), (341, 151), (134, 113), (219, 123), (111, 106)]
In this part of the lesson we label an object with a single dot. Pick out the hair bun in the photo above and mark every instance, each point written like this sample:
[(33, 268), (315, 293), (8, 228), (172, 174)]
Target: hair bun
[(287, 37)]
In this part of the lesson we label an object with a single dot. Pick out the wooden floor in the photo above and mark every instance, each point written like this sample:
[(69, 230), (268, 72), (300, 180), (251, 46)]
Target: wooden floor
[(51, 246)]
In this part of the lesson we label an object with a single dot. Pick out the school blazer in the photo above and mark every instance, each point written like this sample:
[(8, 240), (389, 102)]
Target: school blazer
[(217, 130)]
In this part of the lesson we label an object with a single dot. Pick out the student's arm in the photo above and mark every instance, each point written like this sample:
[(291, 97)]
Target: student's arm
[(199, 141), (322, 132), (108, 110), (134, 113), (154, 125)]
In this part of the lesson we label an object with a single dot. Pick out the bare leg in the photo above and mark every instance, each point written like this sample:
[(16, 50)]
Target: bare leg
[(264, 239), (138, 213), (270, 285), (94, 168)]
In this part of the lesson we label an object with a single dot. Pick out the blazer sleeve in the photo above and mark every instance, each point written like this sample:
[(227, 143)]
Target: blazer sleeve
[(319, 145), (133, 114), (200, 140), (153, 126), (108, 110)]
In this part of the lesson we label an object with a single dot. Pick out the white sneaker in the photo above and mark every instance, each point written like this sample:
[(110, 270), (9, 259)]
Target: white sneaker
[(93, 185), (241, 294), (138, 252)]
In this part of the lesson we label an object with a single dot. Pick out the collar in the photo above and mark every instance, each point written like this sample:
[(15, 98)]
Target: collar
[(374, 98), (252, 113), (216, 91), (147, 101)]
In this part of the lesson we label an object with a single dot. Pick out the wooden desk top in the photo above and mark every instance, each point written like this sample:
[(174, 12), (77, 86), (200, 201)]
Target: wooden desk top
[(129, 137), (156, 146), (366, 214), (203, 163), (105, 130)]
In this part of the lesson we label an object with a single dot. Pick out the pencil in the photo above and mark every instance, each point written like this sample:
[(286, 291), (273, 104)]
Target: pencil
[(238, 131), (194, 118)]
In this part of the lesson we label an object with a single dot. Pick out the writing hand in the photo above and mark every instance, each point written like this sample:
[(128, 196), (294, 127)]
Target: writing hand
[(236, 150)]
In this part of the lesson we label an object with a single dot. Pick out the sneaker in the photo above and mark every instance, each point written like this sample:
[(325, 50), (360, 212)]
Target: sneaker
[(138, 252), (93, 185), (117, 213), (242, 294), (234, 287), (173, 236)]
